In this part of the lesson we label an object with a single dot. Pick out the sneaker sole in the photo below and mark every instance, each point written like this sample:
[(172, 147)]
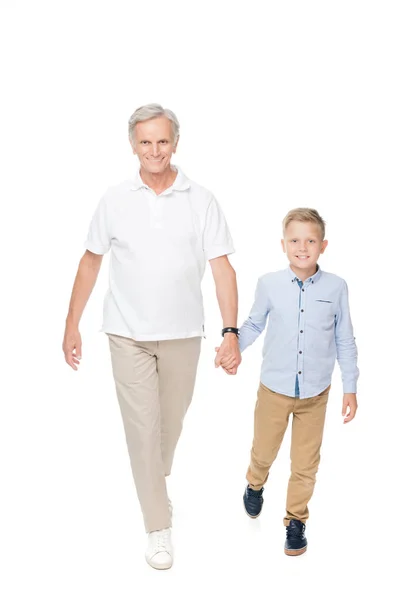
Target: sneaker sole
[(159, 568), (295, 552)]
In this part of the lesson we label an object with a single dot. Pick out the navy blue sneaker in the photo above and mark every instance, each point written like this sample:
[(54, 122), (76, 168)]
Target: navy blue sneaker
[(253, 501), (296, 541)]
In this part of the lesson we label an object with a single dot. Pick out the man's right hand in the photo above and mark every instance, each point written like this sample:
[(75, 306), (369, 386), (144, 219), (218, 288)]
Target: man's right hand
[(72, 347), (232, 370)]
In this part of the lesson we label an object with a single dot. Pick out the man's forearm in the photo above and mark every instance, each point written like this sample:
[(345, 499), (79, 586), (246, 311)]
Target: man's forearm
[(227, 295), (85, 280), (228, 354)]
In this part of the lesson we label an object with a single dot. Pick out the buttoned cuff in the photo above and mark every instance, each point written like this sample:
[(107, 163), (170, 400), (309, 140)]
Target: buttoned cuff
[(350, 387)]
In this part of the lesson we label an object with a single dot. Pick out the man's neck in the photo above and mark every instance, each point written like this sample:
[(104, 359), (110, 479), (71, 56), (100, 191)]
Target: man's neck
[(159, 182)]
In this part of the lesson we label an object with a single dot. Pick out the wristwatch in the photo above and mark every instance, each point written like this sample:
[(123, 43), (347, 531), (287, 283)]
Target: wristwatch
[(234, 330)]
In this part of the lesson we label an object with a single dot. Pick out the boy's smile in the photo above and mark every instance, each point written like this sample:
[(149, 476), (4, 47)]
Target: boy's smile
[(303, 245)]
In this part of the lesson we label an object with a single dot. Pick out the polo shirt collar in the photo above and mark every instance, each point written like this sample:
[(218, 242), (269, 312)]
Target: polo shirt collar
[(313, 279), (180, 184)]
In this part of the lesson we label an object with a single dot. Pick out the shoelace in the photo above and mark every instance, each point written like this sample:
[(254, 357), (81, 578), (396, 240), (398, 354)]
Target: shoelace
[(294, 532), (162, 542)]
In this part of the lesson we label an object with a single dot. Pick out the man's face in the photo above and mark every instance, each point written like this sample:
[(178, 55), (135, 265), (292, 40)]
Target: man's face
[(303, 244), (153, 144)]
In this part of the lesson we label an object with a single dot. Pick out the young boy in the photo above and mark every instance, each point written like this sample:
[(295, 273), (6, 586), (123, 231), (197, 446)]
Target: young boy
[(309, 326)]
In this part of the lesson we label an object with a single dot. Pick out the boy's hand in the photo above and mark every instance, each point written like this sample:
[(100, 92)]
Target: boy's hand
[(228, 354), (229, 371), (349, 408)]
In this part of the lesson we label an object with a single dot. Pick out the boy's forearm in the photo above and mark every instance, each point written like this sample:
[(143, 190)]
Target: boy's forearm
[(346, 349), (347, 358), (255, 324), (249, 332), (83, 285)]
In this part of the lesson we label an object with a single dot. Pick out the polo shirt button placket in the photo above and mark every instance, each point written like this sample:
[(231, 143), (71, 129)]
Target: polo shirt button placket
[(155, 207)]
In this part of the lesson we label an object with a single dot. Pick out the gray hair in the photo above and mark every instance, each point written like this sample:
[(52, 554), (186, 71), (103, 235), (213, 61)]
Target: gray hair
[(152, 111)]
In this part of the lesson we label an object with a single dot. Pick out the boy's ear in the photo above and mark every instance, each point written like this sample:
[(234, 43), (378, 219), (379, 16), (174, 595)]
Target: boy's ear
[(283, 246), (323, 246)]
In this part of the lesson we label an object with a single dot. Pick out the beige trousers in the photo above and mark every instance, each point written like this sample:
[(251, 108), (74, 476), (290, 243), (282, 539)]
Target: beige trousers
[(271, 419), (154, 383)]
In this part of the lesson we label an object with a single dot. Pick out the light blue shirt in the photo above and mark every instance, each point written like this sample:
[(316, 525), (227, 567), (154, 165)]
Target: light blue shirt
[(308, 328)]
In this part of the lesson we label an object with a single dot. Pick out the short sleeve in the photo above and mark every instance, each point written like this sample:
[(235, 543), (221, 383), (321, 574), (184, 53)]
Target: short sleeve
[(217, 239), (98, 239)]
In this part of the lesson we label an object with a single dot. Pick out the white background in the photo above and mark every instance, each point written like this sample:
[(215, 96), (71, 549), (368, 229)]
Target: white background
[(281, 104)]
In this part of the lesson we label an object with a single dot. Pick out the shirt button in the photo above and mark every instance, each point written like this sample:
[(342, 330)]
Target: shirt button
[(302, 310), (301, 331), (302, 289), (299, 372), (300, 352)]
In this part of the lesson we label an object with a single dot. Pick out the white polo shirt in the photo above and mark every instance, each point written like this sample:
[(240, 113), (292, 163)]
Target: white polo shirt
[(159, 249)]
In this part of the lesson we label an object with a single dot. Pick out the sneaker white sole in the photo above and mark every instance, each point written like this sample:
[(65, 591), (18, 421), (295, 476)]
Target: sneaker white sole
[(157, 566)]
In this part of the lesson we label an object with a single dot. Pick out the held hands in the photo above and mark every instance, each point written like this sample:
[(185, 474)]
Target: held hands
[(72, 347), (228, 354), (349, 407)]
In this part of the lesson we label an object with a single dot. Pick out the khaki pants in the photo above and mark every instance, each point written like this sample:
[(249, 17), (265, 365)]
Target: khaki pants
[(271, 419), (154, 383)]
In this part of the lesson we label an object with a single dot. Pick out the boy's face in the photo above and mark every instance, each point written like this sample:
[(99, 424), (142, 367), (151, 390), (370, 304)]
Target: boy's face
[(303, 244)]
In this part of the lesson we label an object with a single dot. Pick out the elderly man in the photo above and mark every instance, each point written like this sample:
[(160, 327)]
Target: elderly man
[(161, 228)]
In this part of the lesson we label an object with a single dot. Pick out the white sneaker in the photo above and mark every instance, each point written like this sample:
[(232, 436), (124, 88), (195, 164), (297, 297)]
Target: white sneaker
[(159, 549)]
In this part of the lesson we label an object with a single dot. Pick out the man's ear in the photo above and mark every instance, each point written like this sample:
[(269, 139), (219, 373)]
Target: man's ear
[(175, 145)]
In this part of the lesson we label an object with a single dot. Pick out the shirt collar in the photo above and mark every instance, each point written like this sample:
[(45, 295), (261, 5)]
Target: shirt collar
[(180, 184), (312, 279)]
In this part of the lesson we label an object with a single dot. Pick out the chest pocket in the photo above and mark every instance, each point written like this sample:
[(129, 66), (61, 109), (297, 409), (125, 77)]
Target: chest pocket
[(323, 311)]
